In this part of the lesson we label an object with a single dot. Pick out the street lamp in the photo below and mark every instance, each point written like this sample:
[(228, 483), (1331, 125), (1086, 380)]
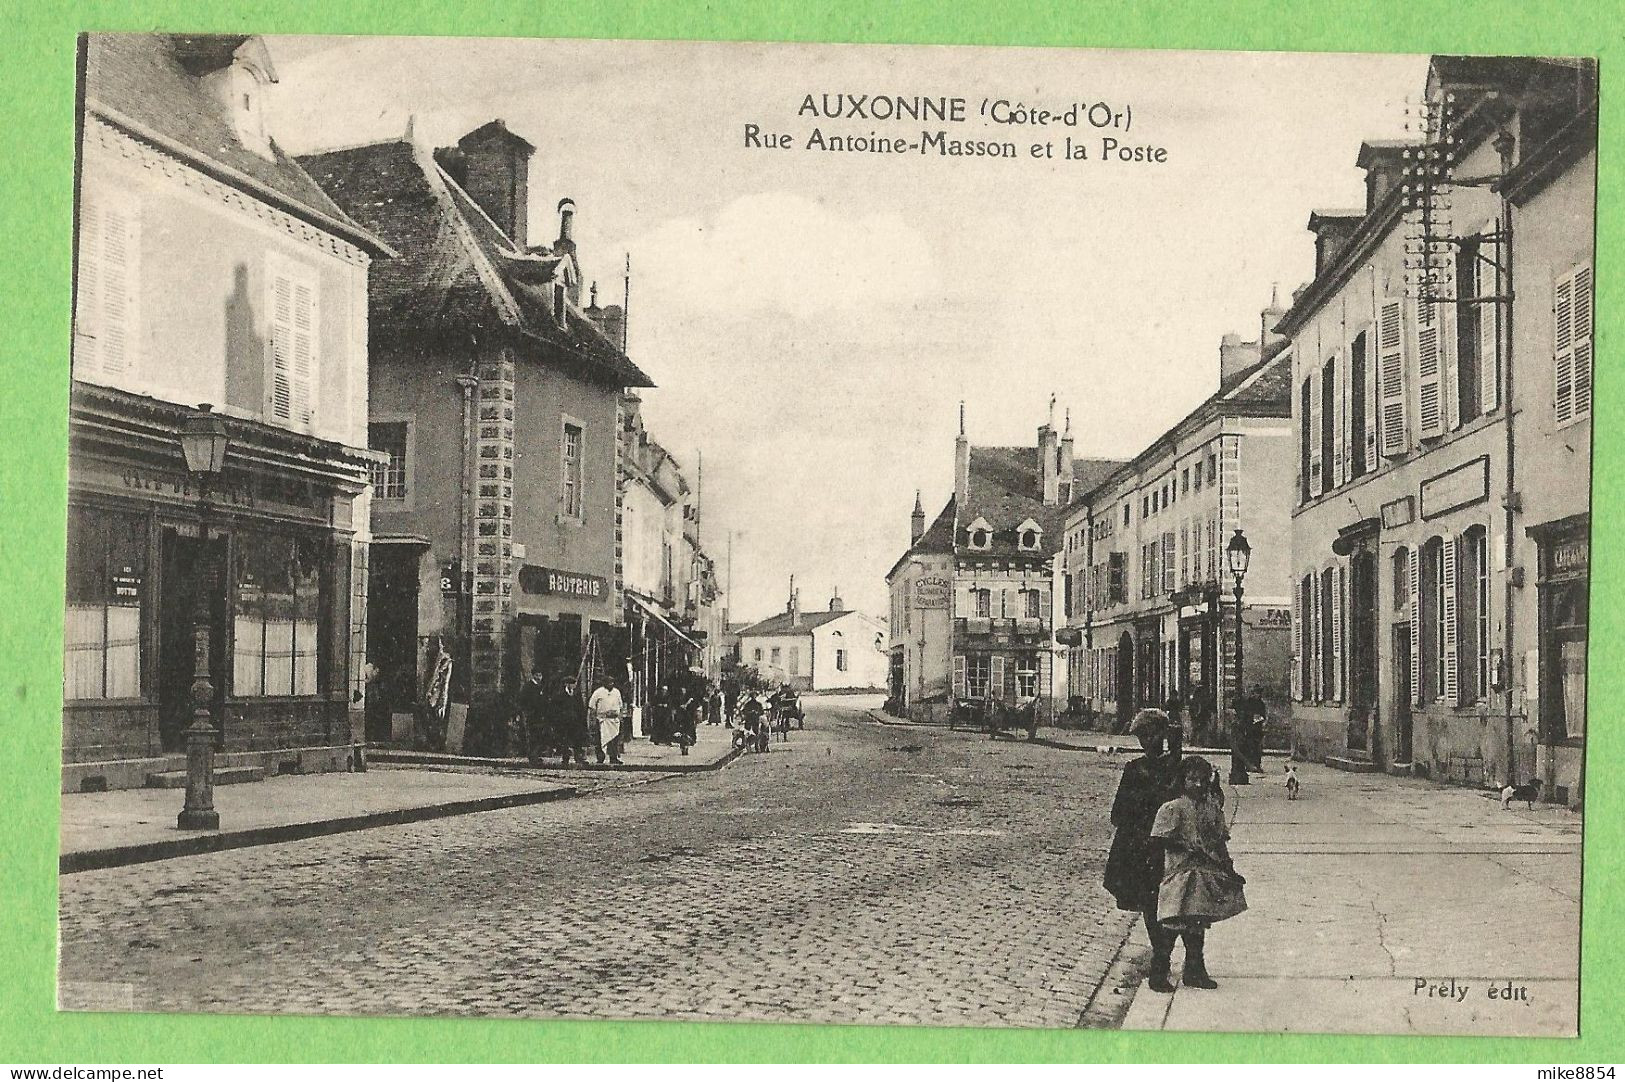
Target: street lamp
[(203, 443), (1238, 555)]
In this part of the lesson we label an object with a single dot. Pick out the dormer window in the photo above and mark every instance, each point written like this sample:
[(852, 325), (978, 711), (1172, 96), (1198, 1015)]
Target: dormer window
[(236, 80), (1029, 536), (979, 534)]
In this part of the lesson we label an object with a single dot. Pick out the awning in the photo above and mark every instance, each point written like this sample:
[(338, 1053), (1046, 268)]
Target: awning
[(658, 615)]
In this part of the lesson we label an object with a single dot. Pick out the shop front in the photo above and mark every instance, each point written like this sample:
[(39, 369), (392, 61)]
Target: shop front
[(1559, 678), (561, 628), (660, 652), (260, 553)]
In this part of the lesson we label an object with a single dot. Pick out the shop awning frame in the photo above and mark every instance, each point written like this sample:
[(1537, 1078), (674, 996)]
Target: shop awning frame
[(658, 615)]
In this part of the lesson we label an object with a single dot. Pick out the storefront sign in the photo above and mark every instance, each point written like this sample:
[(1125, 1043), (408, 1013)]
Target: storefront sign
[(290, 496), (1464, 485), (1570, 556), (127, 585), (1400, 512), (1271, 617), (546, 580), (932, 592)]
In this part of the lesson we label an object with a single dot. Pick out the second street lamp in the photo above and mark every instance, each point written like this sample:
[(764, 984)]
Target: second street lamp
[(1239, 554)]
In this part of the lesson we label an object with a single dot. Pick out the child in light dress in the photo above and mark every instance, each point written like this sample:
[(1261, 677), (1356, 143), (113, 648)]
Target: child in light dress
[(1199, 881)]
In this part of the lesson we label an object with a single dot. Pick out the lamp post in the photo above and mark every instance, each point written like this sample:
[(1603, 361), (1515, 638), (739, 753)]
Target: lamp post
[(203, 442), (1238, 554)]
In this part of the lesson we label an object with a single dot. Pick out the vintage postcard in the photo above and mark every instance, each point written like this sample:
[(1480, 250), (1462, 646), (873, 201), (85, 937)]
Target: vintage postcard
[(843, 534)]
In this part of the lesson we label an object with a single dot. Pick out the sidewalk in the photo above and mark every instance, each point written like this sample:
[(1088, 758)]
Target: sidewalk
[(1369, 895), (714, 748), (131, 826)]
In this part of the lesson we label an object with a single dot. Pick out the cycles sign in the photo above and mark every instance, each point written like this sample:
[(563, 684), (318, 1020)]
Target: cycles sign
[(932, 592)]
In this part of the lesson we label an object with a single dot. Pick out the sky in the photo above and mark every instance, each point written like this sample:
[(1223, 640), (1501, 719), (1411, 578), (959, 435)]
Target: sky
[(813, 319)]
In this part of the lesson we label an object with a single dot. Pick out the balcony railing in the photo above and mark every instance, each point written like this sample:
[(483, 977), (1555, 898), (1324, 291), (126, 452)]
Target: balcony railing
[(1003, 628)]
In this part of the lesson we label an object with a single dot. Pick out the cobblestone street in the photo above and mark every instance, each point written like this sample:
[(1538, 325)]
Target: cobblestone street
[(858, 873)]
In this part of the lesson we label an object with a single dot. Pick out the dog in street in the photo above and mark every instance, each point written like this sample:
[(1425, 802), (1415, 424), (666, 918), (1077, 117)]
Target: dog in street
[(1529, 792), (1291, 782)]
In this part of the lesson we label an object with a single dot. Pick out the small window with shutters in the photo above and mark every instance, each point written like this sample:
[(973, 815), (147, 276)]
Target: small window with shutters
[(1572, 330), (293, 324), (106, 317)]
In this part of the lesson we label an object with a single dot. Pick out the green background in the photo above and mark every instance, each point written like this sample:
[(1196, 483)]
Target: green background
[(36, 173)]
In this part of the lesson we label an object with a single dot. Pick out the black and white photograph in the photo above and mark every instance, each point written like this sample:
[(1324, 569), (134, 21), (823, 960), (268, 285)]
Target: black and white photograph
[(886, 535)]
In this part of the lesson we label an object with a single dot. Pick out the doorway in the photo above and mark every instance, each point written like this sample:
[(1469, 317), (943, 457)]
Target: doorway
[(190, 574), (1125, 681), (392, 636), (1362, 661), (1402, 694)]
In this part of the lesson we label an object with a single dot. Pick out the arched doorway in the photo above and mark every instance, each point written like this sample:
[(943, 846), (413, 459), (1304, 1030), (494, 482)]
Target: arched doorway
[(1125, 680)]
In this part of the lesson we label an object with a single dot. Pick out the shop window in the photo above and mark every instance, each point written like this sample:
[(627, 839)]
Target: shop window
[(277, 626), (1027, 676), (106, 587), (389, 479)]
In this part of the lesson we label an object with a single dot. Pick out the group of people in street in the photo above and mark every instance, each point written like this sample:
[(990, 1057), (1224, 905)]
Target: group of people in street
[(1169, 859), (558, 721)]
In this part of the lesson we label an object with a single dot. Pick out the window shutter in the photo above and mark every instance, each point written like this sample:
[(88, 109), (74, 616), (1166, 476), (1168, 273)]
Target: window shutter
[(1429, 374), (1448, 564), (1582, 341), (1316, 673), (1169, 566), (1450, 372), (995, 687), (1416, 626), (1391, 376), (959, 676), (1335, 692), (87, 317), (107, 317), (1489, 318), (294, 322), (1316, 467), (1297, 642), (1340, 430), (1368, 390)]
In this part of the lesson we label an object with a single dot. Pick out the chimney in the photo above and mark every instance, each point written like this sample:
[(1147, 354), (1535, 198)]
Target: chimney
[(1267, 319), (567, 227), (1332, 229), (610, 319), (1234, 357), (1066, 475), (961, 474), (835, 602), (794, 608), (1049, 457), (492, 165), (1384, 163), (916, 521)]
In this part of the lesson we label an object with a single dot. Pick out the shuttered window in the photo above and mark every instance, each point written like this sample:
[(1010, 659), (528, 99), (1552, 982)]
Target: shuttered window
[(1418, 693), (1306, 422), (1429, 374), (293, 324), (1316, 443), (959, 674), (1170, 566), (1449, 629), (1298, 593), (1490, 289), (106, 316), (1391, 377), (1362, 445), (1338, 581), (1572, 327), (996, 677)]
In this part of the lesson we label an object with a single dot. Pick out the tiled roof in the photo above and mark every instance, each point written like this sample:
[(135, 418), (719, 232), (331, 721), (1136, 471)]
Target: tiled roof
[(456, 268), (780, 624), (137, 82)]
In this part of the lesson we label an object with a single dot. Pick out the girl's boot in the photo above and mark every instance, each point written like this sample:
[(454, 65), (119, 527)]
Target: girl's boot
[(1195, 964), (1162, 950)]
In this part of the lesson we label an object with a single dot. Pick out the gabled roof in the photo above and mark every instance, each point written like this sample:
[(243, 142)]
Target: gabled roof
[(1007, 488), (141, 84), (780, 624), (456, 268)]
